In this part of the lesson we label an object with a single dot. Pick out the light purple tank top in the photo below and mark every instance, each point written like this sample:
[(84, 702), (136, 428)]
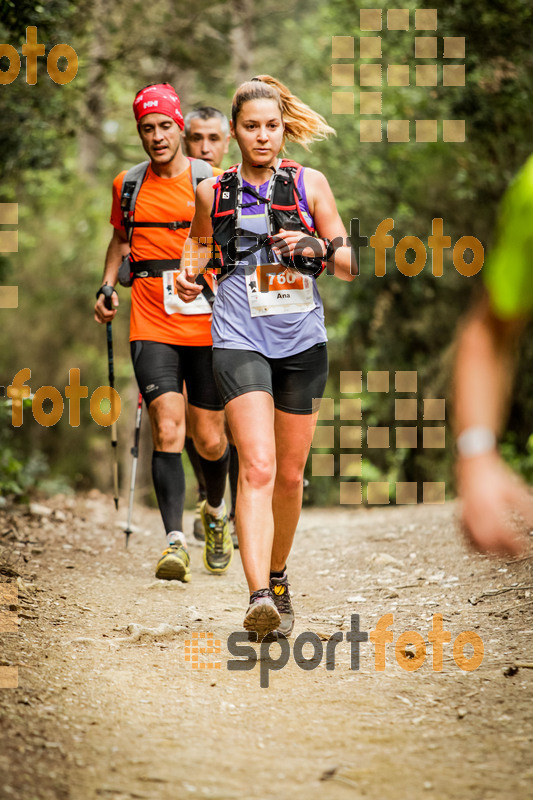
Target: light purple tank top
[(275, 336)]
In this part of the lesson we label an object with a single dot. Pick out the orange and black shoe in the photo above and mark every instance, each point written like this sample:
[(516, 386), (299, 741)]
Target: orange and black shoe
[(282, 598)]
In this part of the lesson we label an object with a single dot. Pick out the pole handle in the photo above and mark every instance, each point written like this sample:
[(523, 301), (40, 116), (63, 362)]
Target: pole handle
[(107, 291)]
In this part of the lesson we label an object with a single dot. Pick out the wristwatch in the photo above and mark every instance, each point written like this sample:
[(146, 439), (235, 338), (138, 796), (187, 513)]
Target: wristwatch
[(476, 441)]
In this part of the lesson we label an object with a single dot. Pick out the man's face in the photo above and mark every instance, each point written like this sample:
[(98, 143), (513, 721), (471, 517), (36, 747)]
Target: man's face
[(161, 137), (206, 141)]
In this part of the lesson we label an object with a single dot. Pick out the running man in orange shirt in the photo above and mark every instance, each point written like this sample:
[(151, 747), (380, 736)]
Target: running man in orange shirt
[(169, 344)]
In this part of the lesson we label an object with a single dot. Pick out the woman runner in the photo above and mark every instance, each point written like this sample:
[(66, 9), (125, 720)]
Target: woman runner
[(269, 340)]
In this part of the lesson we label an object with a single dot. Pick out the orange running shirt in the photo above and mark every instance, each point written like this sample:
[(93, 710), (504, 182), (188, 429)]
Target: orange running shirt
[(160, 200)]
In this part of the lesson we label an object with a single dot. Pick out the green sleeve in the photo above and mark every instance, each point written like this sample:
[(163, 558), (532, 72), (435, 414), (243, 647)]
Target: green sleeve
[(508, 271)]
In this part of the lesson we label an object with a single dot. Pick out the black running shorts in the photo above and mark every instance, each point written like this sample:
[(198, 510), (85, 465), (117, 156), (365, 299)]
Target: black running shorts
[(161, 368), (293, 381)]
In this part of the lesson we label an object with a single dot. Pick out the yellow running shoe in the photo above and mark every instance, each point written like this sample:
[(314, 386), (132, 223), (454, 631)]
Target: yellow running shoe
[(218, 549), (174, 564)]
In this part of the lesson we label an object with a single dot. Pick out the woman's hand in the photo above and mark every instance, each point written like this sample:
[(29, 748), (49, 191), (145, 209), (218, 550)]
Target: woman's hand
[(186, 286), (287, 244)]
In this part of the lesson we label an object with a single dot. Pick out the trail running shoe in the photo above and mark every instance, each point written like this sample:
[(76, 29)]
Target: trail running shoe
[(282, 598), (174, 564), (262, 615), (233, 532), (218, 549), (198, 526)]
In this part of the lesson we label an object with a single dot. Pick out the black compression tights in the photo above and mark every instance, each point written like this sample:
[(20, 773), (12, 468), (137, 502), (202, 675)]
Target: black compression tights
[(169, 485)]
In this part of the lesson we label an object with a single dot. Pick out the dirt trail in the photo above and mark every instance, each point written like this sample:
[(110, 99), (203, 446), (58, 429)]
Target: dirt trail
[(108, 706)]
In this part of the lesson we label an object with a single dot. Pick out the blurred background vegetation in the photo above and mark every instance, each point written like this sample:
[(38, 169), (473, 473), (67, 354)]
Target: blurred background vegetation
[(63, 145)]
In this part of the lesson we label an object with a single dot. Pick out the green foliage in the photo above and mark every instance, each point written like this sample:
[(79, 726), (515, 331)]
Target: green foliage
[(20, 473), (62, 146), (520, 459)]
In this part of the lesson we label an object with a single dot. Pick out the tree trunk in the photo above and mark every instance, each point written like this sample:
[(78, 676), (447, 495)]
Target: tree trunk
[(242, 40), (90, 137)]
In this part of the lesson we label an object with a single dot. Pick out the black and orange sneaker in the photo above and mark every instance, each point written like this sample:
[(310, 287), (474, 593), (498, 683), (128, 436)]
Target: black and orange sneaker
[(262, 615), (282, 598), (174, 564)]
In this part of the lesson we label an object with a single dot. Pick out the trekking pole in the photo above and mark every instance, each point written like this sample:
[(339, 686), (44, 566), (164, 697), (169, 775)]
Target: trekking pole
[(107, 291), (135, 453)]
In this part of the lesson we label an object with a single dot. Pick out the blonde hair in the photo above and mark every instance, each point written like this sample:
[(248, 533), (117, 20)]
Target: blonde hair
[(302, 124)]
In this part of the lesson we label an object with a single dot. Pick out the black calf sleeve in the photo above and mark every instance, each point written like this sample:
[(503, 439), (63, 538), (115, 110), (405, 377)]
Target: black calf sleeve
[(194, 458), (215, 474), (169, 485)]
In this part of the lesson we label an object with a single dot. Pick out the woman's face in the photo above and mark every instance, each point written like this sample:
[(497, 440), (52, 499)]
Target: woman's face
[(259, 131)]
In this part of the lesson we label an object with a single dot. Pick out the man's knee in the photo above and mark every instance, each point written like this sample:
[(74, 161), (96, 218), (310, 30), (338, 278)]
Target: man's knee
[(168, 424), (209, 437), (166, 434), (211, 445)]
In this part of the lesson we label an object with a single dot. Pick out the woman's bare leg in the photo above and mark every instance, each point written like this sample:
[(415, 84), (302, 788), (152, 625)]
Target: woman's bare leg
[(294, 434), (251, 418)]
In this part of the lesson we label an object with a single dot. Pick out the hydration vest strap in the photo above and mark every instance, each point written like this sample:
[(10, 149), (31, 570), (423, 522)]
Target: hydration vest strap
[(153, 268), (173, 226), (207, 292), (226, 183), (200, 170), (133, 180)]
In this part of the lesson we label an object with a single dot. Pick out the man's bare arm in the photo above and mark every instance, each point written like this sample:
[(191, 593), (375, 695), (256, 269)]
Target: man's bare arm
[(118, 248)]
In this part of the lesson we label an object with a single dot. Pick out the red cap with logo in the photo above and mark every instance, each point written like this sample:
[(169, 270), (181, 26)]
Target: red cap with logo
[(160, 98)]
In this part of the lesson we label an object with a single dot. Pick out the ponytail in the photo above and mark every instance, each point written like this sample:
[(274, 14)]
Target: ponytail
[(302, 124)]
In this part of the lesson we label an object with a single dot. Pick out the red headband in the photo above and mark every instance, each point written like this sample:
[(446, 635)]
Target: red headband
[(161, 98)]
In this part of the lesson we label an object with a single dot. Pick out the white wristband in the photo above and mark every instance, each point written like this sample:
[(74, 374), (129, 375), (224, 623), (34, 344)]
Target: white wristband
[(476, 441)]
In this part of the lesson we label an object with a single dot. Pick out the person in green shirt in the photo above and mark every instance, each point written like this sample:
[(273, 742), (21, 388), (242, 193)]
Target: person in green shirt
[(489, 490)]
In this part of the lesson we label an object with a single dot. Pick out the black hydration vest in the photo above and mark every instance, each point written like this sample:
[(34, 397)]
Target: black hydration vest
[(283, 210)]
